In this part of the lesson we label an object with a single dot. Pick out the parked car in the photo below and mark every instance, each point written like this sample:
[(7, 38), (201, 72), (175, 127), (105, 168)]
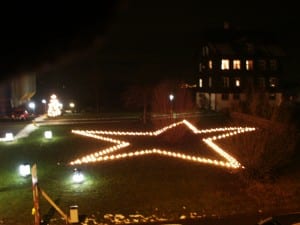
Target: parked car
[(20, 115)]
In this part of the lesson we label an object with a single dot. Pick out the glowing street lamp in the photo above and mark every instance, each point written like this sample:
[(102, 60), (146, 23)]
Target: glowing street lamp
[(44, 103), (171, 98), (32, 106)]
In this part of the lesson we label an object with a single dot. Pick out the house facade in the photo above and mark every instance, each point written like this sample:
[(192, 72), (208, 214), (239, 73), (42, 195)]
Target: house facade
[(233, 66)]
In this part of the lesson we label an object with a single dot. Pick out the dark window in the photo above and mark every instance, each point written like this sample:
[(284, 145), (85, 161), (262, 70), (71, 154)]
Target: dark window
[(261, 82), (272, 96), (236, 96), (273, 64), (262, 64), (226, 82), (225, 96)]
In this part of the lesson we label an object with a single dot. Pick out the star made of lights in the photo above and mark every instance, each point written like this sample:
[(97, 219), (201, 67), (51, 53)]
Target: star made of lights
[(111, 153)]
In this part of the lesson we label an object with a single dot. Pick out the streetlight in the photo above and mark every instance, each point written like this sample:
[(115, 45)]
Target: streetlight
[(32, 106), (44, 102), (171, 98), (72, 106)]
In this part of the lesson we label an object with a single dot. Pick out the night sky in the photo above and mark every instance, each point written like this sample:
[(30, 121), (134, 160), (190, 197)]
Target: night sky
[(100, 47)]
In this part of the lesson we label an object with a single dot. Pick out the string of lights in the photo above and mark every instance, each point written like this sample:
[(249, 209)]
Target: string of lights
[(110, 153)]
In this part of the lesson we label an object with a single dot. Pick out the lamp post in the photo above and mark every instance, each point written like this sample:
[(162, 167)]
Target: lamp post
[(72, 106), (171, 98), (44, 103), (32, 106)]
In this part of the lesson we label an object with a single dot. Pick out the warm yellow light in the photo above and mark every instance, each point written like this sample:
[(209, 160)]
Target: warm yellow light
[(107, 154)]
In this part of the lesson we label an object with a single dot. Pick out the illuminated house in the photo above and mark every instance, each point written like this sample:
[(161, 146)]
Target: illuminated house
[(231, 65)]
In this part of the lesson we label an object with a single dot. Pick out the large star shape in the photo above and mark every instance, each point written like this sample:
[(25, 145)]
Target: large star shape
[(111, 153)]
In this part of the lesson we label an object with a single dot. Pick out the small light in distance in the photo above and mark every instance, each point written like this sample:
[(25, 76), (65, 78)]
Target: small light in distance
[(9, 137), (31, 105), (24, 170), (78, 177), (48, 134)]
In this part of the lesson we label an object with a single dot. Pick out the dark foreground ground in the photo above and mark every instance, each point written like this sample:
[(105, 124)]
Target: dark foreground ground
[(141, 189)]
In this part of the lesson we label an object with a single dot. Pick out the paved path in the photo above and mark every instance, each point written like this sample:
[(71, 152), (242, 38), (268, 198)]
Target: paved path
[(30, 127), (27, 129)]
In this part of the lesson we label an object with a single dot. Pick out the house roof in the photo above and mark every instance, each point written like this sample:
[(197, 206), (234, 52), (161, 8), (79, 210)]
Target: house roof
[(237, 43)]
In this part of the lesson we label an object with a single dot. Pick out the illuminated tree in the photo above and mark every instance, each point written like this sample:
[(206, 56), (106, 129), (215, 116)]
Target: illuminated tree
[(54, 107)]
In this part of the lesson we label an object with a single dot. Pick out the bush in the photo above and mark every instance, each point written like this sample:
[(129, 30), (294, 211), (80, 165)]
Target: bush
[(265, 152)]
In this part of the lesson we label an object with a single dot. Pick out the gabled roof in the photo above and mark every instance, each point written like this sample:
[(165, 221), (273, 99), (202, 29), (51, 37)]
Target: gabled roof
[(245, 43)]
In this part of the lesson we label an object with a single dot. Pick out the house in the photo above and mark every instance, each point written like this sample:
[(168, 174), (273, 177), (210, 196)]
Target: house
[(232, 65)]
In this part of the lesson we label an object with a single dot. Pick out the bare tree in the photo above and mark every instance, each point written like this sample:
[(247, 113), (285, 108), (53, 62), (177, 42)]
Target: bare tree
[(137, 97)]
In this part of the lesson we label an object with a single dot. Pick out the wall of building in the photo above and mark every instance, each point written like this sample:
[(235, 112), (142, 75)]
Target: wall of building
[(4, 98), (23, 89), (214, 101)]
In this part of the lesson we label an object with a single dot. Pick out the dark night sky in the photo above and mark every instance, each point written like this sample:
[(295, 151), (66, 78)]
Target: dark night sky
[(110, 44)]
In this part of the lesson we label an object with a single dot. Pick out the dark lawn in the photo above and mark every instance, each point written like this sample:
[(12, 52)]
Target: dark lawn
[(166, 187)]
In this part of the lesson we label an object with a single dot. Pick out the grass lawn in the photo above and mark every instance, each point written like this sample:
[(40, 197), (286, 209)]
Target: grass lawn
[(147, 185)]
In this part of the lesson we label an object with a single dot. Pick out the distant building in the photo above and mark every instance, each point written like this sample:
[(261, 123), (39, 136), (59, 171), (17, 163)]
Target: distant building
[(4, 98), (232, 64), (16, 92)]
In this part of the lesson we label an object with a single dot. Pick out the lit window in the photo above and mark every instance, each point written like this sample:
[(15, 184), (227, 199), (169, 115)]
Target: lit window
[(225, 64), (226, 82), (236, 64), (210, 64), (249, 64), (273, 64), (200, 82), (237, 82)]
